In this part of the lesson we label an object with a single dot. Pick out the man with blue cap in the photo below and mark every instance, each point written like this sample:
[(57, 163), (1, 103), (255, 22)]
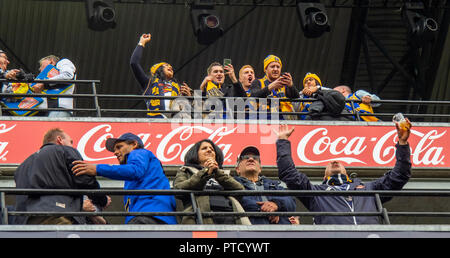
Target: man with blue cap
[(141, 170)]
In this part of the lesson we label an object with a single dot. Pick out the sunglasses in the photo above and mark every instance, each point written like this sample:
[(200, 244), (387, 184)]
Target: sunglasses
[(245, 157)]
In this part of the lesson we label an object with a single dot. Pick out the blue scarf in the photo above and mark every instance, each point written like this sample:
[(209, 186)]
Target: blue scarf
[(338, 179)]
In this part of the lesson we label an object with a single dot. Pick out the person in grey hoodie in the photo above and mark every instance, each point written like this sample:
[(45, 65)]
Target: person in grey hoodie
[(336, 179)]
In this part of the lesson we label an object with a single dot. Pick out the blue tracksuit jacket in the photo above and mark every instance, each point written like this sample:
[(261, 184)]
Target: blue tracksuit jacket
[(142, 171)]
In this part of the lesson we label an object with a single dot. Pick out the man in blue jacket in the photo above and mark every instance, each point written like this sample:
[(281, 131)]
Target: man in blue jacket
[(336, 179), (140, 169), (248, 169)]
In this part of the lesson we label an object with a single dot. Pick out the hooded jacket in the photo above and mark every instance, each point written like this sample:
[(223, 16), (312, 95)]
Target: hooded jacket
[(394, 179)]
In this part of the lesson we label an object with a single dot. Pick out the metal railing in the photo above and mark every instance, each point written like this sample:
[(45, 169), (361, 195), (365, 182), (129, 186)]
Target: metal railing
[(381, 211), (97, 110)]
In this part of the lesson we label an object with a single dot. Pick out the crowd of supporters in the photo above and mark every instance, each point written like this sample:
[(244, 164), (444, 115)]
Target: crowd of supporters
[(57, 165), (274, 96)]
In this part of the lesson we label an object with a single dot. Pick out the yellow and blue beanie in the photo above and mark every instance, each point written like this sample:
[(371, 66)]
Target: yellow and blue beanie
[(155, 67), (309, 75), (271, 58)]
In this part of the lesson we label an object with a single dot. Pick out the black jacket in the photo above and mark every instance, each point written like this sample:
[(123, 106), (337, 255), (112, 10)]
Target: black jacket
[(394, 179), (51, 168), (284, 203), (257, 91)]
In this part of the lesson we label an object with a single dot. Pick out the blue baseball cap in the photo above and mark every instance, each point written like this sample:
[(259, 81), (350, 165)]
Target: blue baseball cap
[(111, 142), (248, 150)]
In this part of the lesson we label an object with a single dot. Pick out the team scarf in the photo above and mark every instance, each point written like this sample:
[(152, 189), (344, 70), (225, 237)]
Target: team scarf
[(337, 179), (158, 87), (360, 108), (213, 89), (285, 106)]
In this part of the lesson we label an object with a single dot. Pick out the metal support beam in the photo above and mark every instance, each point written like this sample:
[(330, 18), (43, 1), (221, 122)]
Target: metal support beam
[(353, 46), (391, 75), (369, 67), (409, 77), (11, 54), (438, 49)]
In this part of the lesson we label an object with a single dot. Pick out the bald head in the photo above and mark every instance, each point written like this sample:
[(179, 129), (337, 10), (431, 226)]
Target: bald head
[(344, 89)]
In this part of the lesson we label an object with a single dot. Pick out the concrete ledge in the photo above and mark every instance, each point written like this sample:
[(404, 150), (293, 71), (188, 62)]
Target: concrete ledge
[(225, 231)]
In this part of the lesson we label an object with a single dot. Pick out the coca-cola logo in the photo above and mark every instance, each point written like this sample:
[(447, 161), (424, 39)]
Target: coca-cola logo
[(317, 147), (171, 147), (340, 146), (3, 151), (364, 146)]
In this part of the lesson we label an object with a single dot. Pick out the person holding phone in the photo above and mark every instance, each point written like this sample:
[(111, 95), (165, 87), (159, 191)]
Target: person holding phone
[(275, 84), (213, 85)]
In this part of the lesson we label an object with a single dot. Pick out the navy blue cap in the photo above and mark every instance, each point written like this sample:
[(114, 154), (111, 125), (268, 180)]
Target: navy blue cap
[(111, 142), (247, 150)]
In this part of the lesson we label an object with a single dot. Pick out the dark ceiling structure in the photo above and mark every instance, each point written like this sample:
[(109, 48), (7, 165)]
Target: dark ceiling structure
[(397, 49)]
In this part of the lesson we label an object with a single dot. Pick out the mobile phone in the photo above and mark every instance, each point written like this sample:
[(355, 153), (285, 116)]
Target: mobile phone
[(226, 61)]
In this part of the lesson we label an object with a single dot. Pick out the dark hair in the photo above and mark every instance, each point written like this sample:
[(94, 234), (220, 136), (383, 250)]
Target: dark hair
[(191, 158), (209, 69), (159, 73)]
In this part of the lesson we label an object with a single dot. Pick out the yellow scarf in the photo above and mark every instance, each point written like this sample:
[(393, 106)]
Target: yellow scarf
[(213, 90), (285, 106)]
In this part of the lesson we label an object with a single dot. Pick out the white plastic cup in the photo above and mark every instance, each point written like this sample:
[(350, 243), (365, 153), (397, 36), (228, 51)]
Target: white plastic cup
[(400, 119)]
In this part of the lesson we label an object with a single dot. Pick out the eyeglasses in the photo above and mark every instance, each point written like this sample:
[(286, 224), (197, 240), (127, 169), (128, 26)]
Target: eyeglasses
[(245, 157)]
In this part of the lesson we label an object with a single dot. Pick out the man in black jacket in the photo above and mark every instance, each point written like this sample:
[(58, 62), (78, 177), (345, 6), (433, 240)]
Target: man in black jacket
[(51, 168), (214, 87), (336, 179), (249, 171)]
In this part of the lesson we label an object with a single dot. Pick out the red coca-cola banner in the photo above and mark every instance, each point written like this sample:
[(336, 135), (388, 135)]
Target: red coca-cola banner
[(312, 145)]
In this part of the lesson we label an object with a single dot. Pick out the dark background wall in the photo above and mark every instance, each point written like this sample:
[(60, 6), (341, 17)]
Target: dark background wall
[(31, 29)]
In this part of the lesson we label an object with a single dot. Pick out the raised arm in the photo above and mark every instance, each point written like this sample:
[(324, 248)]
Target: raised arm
[(287, 172), (396, 178), (139, 73)]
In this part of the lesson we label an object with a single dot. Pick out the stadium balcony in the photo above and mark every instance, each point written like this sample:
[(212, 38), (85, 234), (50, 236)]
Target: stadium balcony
[(422, 209)]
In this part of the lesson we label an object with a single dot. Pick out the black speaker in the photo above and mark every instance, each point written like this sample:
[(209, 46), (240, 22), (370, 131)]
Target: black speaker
[(100, 14), (313, 18), (205, 23), (421, 29)]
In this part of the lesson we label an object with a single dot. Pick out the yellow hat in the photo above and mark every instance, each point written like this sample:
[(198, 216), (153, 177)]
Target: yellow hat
[(309, 75), (155, 67), (271, 58)]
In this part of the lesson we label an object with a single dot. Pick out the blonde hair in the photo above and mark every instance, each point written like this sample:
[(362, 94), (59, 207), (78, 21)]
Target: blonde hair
[(244, 67)]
